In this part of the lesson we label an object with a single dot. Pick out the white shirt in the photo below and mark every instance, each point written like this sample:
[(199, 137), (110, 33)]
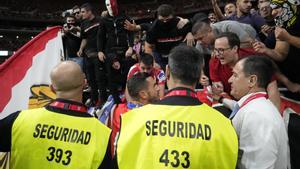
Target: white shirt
[(262, 135)]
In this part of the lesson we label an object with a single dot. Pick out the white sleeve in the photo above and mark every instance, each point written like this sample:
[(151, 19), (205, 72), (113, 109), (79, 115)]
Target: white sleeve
[(229, 103)]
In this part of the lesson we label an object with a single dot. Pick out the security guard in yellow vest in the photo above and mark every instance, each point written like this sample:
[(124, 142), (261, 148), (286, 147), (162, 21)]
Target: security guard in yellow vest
[(179, 131), (60, 135)]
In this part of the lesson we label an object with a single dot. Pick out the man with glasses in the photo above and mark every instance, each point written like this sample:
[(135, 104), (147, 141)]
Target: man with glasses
[(225, 55), (206, 33), (77, 13), (78, 17)]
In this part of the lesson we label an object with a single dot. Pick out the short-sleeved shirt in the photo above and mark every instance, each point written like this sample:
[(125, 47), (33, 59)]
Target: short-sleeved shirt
[(166, 37), (243, 31), (89, 30), (158, 74), (255, 20)]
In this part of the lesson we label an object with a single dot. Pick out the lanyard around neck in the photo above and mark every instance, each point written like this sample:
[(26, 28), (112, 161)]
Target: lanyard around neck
[(68, 106), (252, 97), (182, 92)]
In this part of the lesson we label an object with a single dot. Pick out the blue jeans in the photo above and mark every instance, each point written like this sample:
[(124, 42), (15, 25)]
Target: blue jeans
[(162, 61), (78, 60)]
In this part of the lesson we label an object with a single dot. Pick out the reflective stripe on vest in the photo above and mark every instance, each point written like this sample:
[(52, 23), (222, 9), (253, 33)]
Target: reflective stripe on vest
[(45, 139), (162, 136)]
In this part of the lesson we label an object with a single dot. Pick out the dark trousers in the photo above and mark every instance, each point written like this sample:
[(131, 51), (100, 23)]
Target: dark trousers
[(117, 78), (96, 76), (162, 61)]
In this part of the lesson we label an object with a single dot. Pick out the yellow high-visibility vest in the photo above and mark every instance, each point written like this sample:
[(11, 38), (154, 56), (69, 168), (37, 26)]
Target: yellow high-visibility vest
[(162, 136), (45, 139)]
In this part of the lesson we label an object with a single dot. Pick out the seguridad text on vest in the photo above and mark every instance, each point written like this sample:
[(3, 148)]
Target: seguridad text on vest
[(178, 129), (62, 134)]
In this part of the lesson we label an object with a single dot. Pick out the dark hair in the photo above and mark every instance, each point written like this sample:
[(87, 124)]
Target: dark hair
[(233, 39), (185, 64), (136, 83), (165, 10), (227, 3), (75, 7), (261, 66), (88, 7), (200, 17), (111, 58), (147, 59), (200, 26)]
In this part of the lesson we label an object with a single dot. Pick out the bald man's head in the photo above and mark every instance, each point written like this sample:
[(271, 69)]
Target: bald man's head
[(66, 77)]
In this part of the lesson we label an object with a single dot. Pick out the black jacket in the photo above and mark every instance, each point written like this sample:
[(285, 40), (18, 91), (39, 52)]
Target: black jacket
[(113, 35)]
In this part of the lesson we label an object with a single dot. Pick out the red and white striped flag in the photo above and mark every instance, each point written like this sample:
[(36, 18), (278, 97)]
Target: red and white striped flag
[(25, 77)]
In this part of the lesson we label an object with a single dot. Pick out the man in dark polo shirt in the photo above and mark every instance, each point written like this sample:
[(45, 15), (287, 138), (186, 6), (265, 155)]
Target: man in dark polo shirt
[(95, 69)]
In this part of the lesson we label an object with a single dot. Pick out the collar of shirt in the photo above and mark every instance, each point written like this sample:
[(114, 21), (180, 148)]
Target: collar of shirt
[(180, 100), (234, 16), (244, 98)]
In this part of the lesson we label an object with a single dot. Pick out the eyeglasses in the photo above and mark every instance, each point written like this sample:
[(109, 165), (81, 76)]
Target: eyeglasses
[(221, 51), (77, 13)]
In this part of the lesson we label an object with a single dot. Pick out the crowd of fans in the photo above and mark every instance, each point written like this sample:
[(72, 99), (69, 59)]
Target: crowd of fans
[(250, 75), (52, 11), (48, 11), (240, 32)]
